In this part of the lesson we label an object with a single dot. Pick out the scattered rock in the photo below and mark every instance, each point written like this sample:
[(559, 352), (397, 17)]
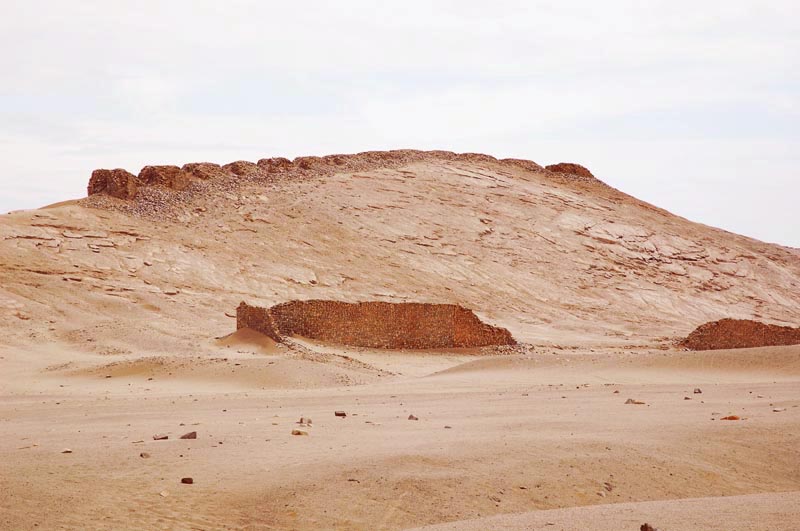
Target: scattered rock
[(731, 417), (190, 435), (304, 421), (632, 401), (144, 455), (299, 432), (698, 391), (412, 417), (66, 451), (687, 397), (616, 392), (647, 527), (159, 437), (448, 427), (163, 493), (778, 409), (340, 413), (187, 481)]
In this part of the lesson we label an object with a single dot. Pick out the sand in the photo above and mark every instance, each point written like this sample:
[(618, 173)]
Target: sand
[(527, 434), (115, 329)]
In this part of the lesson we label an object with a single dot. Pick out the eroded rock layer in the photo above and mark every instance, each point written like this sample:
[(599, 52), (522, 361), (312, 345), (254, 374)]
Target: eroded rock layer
[(374, 324), (740, 333)]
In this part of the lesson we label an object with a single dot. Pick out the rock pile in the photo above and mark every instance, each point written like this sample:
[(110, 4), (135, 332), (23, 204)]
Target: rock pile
[(571, 169), (374, 324), (740, 333)]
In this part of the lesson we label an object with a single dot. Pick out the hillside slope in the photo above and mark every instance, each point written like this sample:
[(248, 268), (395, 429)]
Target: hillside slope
[(555, 258)]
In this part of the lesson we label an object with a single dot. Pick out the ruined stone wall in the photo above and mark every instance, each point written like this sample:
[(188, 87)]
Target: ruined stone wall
[(740, 333), (374, 324), (124, 185)]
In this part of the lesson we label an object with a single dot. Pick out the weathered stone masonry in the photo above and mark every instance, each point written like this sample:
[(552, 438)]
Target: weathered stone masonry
[(374, 324)]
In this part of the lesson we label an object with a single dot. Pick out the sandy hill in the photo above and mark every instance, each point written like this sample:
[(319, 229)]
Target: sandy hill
[(117, 320), (557, 258)]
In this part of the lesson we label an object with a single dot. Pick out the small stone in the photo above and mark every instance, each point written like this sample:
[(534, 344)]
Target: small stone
[(448, 427), (412, 417), (190, 435), (647, 527), (778, 409), (160, 437), (697, 391), (687, 397), (731, 417), (187, 481), (144, 455), (632, 401), (163, 494), (299, 432), (601, 494), (340, 413), (616, 392), (66, 451)]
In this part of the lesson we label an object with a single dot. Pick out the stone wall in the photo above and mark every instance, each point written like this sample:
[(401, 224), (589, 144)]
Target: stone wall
[(740, 333), (172, 178), (374, 324)]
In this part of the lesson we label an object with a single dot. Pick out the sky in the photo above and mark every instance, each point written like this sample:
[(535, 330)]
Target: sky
[(692, 106)]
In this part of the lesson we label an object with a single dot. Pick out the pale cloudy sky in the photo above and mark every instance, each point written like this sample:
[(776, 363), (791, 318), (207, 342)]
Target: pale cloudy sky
[(693, 106)]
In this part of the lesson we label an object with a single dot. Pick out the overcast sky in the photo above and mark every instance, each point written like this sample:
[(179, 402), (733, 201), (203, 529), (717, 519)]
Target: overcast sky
[(693, 106)]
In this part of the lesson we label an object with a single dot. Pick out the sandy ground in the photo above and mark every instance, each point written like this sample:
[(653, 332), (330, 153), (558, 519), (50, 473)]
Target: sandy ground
[(540, 439)]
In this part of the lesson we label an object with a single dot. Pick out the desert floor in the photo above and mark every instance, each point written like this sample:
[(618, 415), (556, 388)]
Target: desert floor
[(526, 441)]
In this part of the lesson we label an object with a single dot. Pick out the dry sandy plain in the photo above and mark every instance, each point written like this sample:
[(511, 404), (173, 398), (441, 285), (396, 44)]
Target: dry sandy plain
[(116, 326)]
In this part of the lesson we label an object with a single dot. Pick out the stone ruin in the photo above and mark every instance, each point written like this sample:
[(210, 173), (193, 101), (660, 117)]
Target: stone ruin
[(122, 184), (382, 325), (571, 169), (740, 333)]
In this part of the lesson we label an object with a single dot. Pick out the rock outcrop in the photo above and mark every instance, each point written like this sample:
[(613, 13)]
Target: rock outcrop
[(117, 183), (740, 333), (374, 324)]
